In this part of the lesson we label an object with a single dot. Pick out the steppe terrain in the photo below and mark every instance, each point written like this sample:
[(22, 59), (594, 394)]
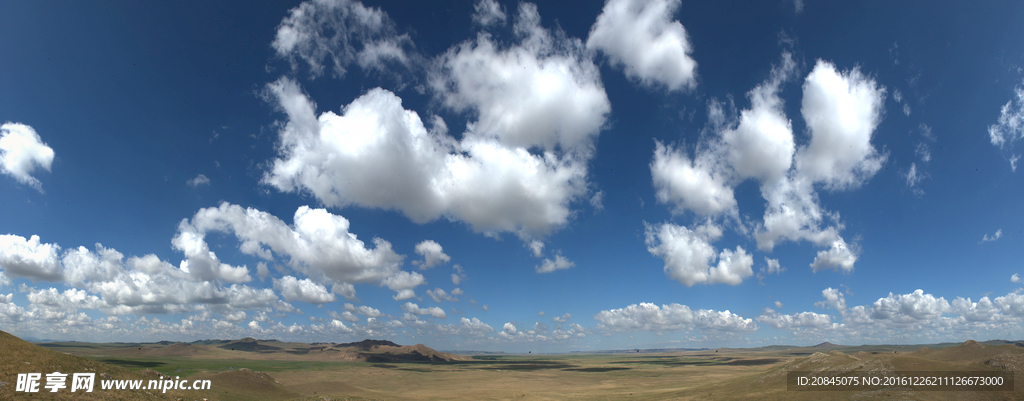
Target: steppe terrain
[(382, 370)]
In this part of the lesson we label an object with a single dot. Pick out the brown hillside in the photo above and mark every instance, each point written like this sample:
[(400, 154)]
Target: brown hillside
[(244, 384), (19, 356)]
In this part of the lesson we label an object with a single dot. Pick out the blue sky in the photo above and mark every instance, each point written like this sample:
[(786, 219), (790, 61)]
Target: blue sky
[(509, 176)]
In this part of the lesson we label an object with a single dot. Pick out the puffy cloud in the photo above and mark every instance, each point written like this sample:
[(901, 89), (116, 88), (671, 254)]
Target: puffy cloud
[(772, 267), (537, 247), (559, 263), (401, 295), (417, 310), (641, 37), (201, 262), (722, 321), (699, 185), (21, 151), (459, 274), (488, 12), (509, 328), (199, 180), (64, 302), (439, 295), (425, 175), (833, 299), (982, 311), (432, 253), (1015, 278), (404, 280), (842, 110), (364, 310), (916, 316), (839, 256), (543, 92), (687, 255), (993, 237), (304, 290), (672, 317), (21, 258), (792, 213), (1011, 304), (733, 267), (909, 308), (466, 327), (798, 320), (561, 319), (761, 144), (319, 243), (82, 265), (337, 33)]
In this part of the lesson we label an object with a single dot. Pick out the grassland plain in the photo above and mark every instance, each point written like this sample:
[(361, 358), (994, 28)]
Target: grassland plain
[(380, 370)]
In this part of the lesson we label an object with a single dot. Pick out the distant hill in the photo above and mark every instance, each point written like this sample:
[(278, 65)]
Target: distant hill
[(368, 344), (249, 344), (969, 351), (387, 351)]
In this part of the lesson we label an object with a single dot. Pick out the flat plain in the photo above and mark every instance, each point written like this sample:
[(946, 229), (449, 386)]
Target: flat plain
[(380, 370)]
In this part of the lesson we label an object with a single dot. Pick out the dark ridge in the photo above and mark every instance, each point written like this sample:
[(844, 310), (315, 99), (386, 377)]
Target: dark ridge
[(248, 344), (367, 344)]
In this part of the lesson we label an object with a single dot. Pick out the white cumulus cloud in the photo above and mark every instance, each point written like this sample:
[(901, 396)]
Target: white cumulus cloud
[(21, 151), (560, 263), (424, 174), (797, 320), (839, 256), (698, 185), (688, 254), (842, 110), (318, 243), (29, 258), (432, 253), (642, 37), (417, 310), (671, 317), (293, 289)]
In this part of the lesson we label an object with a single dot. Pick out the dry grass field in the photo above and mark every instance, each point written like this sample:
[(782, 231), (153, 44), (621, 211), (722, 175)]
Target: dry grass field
[(379, 370)]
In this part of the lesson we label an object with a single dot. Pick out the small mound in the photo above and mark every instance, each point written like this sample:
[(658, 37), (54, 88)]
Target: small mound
[(254, 385)]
